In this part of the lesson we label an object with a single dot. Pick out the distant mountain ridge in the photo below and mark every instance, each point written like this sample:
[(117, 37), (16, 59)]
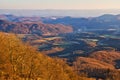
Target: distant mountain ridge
[(38, 28), (14, 18), (103, 22), (106, 21)]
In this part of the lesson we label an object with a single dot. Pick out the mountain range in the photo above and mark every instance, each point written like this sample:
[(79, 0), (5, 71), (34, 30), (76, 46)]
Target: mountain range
[(38, 28), (103, 22), (90, 55)]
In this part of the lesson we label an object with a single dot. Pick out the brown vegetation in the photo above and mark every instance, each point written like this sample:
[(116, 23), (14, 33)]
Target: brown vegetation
[(100, 65), (106, 56), (34, 28), (21, 62)]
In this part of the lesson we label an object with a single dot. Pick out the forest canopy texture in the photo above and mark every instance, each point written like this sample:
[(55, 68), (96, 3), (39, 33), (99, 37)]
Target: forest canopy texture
[(19, 61)]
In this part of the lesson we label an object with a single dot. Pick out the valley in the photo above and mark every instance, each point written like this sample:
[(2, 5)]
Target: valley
[(90, 46), (86, 53)]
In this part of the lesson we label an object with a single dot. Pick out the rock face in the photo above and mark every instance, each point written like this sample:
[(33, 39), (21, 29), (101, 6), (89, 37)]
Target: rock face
[(34, 28)]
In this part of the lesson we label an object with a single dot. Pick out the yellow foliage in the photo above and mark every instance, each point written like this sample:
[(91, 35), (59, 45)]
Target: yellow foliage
[(19, 61)]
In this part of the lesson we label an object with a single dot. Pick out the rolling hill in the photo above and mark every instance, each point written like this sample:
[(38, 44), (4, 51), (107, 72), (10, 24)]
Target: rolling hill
[(19, 61), (38, 28)]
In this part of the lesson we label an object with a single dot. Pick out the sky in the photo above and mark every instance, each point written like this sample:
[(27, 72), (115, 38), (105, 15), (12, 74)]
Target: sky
[(59, 4)]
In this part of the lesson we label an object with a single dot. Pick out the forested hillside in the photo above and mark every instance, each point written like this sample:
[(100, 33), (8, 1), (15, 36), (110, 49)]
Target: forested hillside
[(38, 28), (19, 61)]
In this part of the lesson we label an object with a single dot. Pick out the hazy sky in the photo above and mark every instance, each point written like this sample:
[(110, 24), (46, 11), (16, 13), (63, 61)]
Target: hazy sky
[(59, 4)]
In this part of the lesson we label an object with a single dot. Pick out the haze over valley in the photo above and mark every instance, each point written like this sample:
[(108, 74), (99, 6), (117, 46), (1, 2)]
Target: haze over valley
[(59, 40), (60, 12), (79, 41)]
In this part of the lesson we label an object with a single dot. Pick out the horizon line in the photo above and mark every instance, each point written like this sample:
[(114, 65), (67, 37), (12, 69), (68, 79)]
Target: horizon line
[(62, 9)]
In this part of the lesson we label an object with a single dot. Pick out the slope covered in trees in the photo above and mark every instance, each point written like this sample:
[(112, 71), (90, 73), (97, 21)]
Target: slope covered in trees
[(107, 56), (38, 28), (100, 65), (21, 62)]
